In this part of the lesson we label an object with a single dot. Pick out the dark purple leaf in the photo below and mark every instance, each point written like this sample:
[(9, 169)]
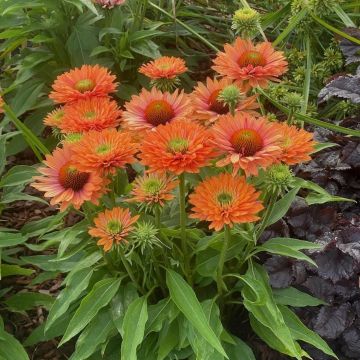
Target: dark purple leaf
[(280, 271), (335, 265), (350, 50), (320, 288), (332, 321), (351, 342), (347, 87)]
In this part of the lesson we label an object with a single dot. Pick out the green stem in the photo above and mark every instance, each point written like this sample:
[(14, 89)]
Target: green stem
[(128, 269), (220, 283), (157, 216), (185, 26), (184, 246), (290, 116), (267, 214)]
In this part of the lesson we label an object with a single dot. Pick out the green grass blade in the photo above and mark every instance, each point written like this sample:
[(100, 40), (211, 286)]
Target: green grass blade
[(311, 120), (294, 21), (335, 30)]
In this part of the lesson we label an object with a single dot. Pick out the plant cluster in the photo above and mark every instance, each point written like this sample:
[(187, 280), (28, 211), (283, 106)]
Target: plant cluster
[(176, 191)]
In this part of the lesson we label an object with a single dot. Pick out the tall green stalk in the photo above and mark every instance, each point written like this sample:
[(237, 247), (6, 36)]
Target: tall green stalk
[(184, 246), (220, 283)]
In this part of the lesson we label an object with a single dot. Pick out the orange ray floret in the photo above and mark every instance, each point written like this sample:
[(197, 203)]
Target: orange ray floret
[(253, 64), (55, 117), (178, 147), (165, 67), (225, 200), (82, 83), (90, 114), (104, 151), (152, 108), (112, 226), (65, 184), (153, 189), (207, 107), (296, 144), (248, 143)]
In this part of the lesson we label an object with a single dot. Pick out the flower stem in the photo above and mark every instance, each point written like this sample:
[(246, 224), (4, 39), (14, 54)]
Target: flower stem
[(183, 226), (128, 269), (157, 216), (267, 214), (220, 283)]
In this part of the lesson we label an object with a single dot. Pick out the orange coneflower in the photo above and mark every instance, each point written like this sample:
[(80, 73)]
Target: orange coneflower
[(104, 151), (225, 200), (247, 142), (153, 108), (112, 226), (54, 118), (253, 64), (82, 83), (165, 67), (296, 144), (178, 147), (90, 114), (208, 108), (65, 184), (153, 189)]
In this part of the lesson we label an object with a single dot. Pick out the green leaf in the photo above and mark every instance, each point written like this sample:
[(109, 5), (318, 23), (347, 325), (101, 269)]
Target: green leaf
[(318, 194), (267, 318), (74, 288), (239, 351), (134, 328), (168, 339), (185, 299), (282, 206), (285, 247), (321, 146), (10, 348), (300, 332), (9, 270), (95, 334), (120, 303), (11, 239), (294, 297), (28, 300), (90, 5), (18, 175), (165, 309), (100, 295)]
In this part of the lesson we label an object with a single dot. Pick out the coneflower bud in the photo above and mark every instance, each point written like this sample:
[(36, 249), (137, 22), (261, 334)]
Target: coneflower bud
[(245, 22), (230, 96), (293, 100), (277, 179), (144, 237)]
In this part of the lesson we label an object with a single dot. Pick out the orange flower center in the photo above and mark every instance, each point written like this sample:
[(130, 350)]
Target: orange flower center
[(224, 198), (246, 141), (84, 85), (216, 105), (159, 112), (114, 227), (71, 178), (253, 58), (286, 142), (178, 145)]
